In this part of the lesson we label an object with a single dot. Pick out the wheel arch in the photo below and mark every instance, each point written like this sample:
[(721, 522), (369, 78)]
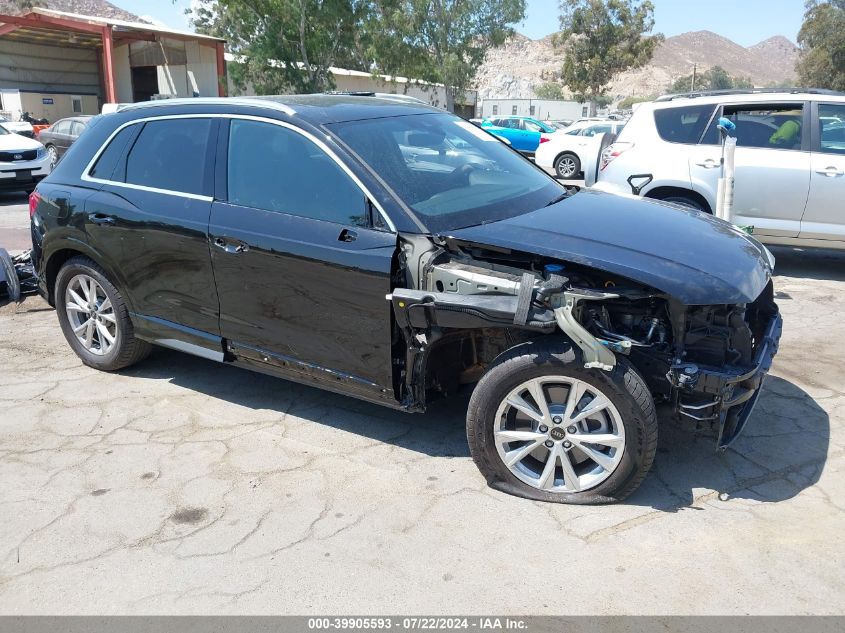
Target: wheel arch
[(659, 193), (68, 249)]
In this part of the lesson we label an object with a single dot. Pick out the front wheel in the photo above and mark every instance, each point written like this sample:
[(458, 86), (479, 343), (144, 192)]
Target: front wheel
[(541, 426), (53, 153)]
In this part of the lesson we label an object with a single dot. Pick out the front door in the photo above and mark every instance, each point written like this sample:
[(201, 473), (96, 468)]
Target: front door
[(772, 166), (824, 218), (301, 274), (150, 221)]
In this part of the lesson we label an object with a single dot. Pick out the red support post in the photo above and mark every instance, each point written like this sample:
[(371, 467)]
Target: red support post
[(222, 87), (108, 66)]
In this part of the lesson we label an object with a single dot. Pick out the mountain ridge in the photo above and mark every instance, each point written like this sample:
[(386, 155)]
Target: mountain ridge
[(516, 68)]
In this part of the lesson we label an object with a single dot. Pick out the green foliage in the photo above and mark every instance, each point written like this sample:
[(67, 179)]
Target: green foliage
[(602, 38), (285, 44), (441, 41), (289, 45), (549, 90), (716, 78), (628, 102), (822, 41)]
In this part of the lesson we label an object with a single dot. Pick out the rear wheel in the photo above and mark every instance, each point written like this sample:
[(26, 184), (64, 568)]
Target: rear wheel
[(684, 201), (541, 426), (567, 166), (94, 317)]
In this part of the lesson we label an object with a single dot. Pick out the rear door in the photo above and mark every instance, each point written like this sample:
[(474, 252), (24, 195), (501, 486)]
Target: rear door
[(824, 217), (150, 221), (772, 165), (302, 269)]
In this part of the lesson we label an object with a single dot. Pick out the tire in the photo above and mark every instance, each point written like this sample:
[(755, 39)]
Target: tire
[(685, 201), (567, 166), (54, 156), (628, 418), (106, 316)]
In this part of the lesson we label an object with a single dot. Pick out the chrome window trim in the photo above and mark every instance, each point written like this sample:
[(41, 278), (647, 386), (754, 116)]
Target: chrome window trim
[(249, 117)]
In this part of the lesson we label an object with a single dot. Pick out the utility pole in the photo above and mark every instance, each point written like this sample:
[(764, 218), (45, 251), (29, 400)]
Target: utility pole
[(694, 69)]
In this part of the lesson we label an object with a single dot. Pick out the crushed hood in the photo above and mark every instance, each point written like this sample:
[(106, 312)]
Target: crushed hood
[(692, 256)]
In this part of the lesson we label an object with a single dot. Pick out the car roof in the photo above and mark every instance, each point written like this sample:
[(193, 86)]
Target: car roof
[(741, 96), (78, 117), (316, 109)]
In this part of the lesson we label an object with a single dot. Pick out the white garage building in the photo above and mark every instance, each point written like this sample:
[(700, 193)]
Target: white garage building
[(54, 64)]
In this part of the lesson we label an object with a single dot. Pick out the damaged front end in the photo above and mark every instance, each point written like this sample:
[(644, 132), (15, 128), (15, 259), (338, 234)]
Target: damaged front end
[(17, 277), (707, 361)]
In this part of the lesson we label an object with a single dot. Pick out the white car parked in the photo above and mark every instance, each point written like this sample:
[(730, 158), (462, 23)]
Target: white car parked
[(18, 127), (23, 161), (567, 151), (789, 161)]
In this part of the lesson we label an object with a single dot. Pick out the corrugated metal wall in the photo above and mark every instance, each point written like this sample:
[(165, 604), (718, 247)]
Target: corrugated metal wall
[(38, 68)]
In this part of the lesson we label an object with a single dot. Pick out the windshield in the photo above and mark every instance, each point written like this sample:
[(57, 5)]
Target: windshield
[(448, 171)]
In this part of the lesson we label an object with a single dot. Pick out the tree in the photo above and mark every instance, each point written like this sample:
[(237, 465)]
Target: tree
[(716, 78), (289, 45), (549, 90), (602, 38), (628, 102), (284, 45), (439, 41), (822, 41)]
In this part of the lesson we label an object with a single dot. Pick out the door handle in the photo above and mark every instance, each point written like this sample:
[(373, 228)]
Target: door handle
[(708, 163), (101, 219), (234, 247), (347, 235), (830, 172)]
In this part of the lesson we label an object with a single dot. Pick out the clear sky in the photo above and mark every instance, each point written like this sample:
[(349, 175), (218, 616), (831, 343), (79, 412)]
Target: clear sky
[(744, 21)]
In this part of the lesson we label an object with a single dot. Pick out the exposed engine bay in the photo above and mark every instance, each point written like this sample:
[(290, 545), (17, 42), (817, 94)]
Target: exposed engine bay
[(486, 300)]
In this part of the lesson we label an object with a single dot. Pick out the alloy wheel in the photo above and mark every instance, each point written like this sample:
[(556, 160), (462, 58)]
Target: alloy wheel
[(566, 167), (54, 156), (559, 434), (91, 315)]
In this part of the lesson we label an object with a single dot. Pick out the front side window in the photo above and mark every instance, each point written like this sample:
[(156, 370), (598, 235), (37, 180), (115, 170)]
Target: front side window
[(683, 124), (170, 154), (832, 128), (455, 176), (62, 127), (274, 168), (533, 127)]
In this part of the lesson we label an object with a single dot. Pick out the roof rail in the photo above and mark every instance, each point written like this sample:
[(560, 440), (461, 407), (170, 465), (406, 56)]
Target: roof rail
[(749, 91)]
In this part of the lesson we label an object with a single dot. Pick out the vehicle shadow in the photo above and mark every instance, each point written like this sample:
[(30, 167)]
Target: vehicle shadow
[(767, 463), (810, 263)]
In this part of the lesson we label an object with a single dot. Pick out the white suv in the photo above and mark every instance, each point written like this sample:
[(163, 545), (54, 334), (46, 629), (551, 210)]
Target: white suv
[(790, 160)]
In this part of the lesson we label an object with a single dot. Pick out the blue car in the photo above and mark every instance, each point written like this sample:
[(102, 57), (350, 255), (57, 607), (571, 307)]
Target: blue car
[(522, 132)]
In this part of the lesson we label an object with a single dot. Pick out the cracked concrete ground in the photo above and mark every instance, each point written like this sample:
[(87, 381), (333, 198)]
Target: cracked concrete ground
[(183, 486)]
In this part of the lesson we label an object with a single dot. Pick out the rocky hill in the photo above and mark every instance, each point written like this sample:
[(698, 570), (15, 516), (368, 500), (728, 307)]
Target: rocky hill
[(514, 69), (99, 8)]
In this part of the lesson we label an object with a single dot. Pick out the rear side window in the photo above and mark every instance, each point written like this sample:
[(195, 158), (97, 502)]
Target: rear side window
[(683, 125), (273, 168), (104, 167), (768, 126), (170, 154)]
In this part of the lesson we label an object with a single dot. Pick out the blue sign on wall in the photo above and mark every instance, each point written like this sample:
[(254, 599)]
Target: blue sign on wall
[(47, 100)]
